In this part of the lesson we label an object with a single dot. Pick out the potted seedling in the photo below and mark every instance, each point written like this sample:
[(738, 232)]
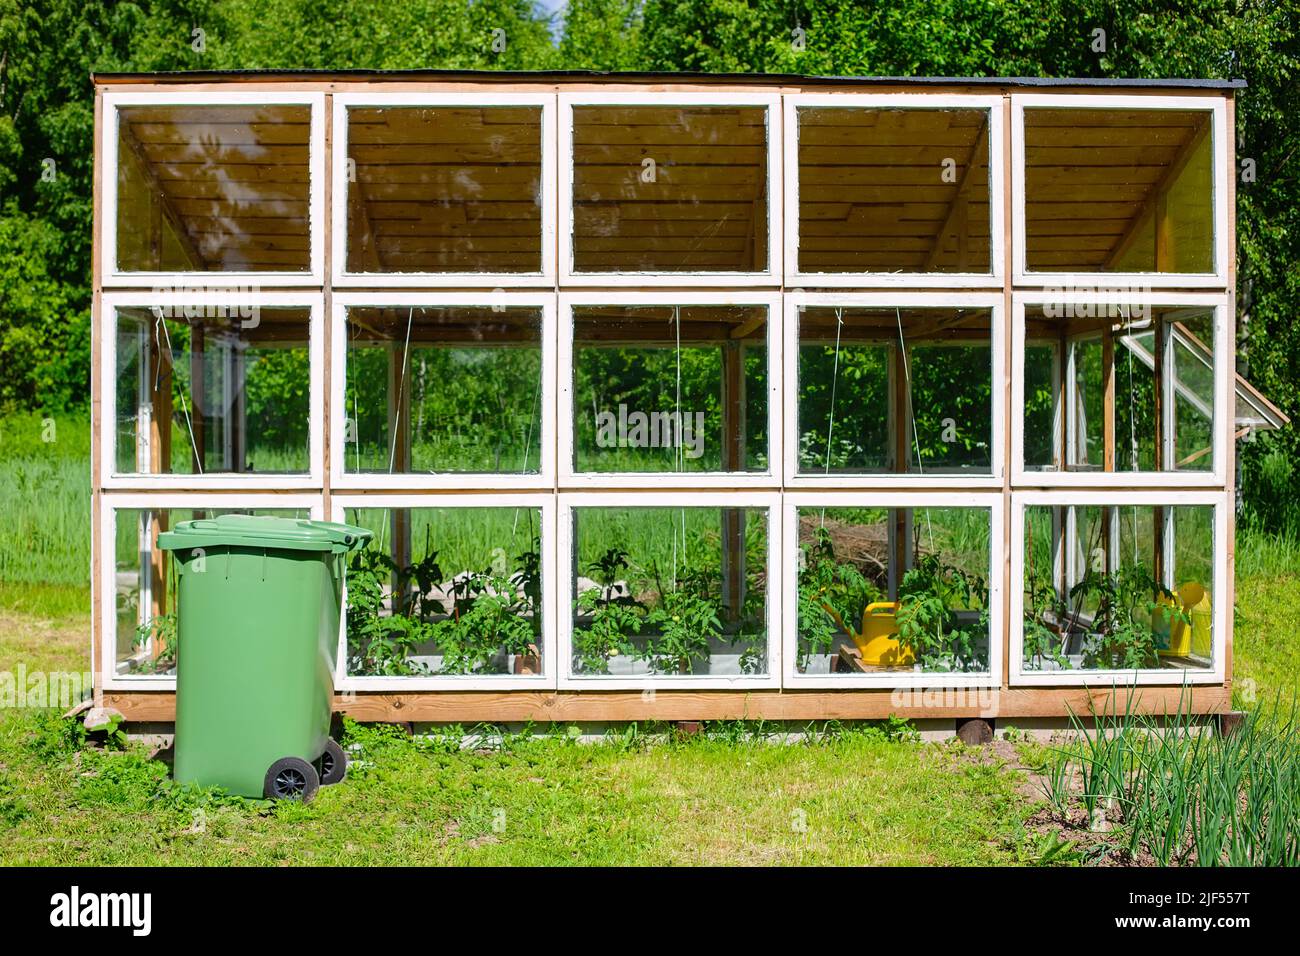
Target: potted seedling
[(836, 599), (615, 616), (1132, 607), (943, 615)]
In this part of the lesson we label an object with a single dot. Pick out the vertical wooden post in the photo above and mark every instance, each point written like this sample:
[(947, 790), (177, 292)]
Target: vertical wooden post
[(1065, 456), (98, 546), (399, 437), (902, 412), (1225, 592), (198, 381), (160, 457), (1107, 433), (1158, 418), (327, 318), (733, 460)]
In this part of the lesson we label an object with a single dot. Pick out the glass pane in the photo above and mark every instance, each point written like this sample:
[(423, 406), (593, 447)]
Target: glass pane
[(205, 390), (670, 189), (867, 405), (670, 388), (144, 589), (1119, 190), (445, 189), (213, 189), (445, 592), (443, 390), (1118, 587), (1041, 422), (888, 190), (670, 591), (1163, 405), (890, 589)]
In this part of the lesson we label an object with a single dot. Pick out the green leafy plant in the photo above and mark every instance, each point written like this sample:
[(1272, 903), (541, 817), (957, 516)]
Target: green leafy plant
[(486, 623), (159, 639), (684, 624), (1131, 606), (1044, 622), (379, 643), (929, 597), (609, 634), (832, 595), (493, 614)]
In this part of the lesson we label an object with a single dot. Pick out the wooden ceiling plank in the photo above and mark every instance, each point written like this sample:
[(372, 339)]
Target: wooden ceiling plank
[(1160, 189)]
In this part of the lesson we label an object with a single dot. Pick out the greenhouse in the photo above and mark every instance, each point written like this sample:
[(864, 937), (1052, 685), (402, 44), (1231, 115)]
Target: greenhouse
[(681, 398)]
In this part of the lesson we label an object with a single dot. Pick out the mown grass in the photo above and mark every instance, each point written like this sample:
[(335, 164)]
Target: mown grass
[(853, 798)]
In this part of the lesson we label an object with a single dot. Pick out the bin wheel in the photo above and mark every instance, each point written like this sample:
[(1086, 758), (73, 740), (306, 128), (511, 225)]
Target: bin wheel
[(333, 764), (291, 778)]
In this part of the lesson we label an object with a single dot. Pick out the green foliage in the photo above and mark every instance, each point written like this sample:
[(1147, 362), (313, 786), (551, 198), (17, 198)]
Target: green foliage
[(1185, 796), (833, 595), (929, 598), (157, 634), (1130, 609), (493, 614)]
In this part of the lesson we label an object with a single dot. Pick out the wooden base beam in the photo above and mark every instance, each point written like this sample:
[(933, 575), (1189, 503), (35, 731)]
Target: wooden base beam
[(607, 706)]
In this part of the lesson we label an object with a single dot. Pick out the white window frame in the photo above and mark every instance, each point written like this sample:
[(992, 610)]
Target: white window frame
[(544, 276), (700, 499), (1215, 105), (771, 276), (112, 301), (545, 503), (1223, 394), (992, 502), (348, 481), (110, 505), (113, 276), (795, 302), (571, 478), (1220, 501), (895, 101)]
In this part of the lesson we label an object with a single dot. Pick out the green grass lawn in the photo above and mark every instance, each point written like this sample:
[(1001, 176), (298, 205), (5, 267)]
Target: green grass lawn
[(854, 799)]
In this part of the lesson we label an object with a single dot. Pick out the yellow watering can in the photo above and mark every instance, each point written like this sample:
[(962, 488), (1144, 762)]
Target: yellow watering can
[(1180, 639), (877, 639)]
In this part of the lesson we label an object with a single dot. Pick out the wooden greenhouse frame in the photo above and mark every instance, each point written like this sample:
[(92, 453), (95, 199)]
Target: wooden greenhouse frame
[(759, 212)]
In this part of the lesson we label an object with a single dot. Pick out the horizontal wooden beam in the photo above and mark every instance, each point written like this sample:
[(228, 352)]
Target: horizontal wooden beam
[(593, 706)]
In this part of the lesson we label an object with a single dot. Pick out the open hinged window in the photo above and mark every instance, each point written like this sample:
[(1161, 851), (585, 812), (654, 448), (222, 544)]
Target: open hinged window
[(676, 391), (669, 590), (1121, 389), (1120, 189), (229, 187), (452, 590), (887, 389), (680, 189), (443, 390), (437, 192), (137, 633), (221, 389), (1118, 587), (893, 589), (894, 190)]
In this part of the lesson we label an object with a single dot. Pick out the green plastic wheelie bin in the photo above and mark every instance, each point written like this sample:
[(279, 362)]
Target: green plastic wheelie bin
[(258, 606)]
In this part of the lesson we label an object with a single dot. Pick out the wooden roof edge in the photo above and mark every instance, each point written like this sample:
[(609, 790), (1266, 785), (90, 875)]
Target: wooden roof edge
[(1275, 416), (109, 78)]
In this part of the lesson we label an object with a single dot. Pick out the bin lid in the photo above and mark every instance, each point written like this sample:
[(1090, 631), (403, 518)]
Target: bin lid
[(264, 531)]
